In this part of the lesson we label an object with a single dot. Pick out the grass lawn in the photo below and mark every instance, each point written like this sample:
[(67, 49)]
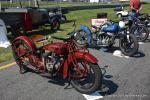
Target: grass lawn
[(82, 17)]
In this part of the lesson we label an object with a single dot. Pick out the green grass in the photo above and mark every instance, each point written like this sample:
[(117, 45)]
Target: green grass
[(5, 54), (82, 17)]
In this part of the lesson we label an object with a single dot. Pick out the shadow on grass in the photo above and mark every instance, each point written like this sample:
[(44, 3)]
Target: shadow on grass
[(68, 21), (42, 32)]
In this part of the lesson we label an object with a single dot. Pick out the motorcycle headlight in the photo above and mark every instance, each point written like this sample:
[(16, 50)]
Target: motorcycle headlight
[(75, 34), (121, 24)]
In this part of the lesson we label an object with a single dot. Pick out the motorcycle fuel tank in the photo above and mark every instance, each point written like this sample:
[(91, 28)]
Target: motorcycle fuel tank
[(110, 28), (57, 47)]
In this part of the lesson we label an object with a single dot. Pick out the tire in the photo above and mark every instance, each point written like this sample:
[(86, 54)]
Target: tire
[(119, 16), (78, 82), (81, 38), (125, 42), (55, 25), (140, 32), (19, 48)]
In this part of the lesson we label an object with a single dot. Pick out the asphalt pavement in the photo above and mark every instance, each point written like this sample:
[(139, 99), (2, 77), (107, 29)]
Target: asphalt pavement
[(124, 79)]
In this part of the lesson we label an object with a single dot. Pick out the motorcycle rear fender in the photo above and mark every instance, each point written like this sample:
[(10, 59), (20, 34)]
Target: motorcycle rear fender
[(78, 55), (88, 31), (27, 40)]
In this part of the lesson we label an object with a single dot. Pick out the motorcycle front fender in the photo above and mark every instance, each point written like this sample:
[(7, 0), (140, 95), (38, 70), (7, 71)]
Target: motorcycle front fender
[(86, 56), (88, 31), (77, 55)]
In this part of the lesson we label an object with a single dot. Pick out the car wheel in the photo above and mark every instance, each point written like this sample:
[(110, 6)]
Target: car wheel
[(119, 15)]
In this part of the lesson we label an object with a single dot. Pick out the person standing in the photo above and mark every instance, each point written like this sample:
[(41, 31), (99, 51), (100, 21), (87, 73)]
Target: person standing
[(135, 7)]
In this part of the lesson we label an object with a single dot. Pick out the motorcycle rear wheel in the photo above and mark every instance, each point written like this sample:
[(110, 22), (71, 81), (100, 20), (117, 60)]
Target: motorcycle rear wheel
[(18, 47), (89, 83), (128, 45), (55, 25)]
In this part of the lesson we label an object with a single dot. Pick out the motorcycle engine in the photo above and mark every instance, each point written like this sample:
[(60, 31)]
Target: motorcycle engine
[(52, 62), (104, 39)]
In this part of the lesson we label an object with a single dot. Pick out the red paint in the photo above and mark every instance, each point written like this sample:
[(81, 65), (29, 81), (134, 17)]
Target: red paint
[(58, 47), (27, 41), (37, 60), (87, 56), (77, 55), (27, 20), (135, 4)]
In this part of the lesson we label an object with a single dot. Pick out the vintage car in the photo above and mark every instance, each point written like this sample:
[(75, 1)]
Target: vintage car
[(120, 12), (30, 18)]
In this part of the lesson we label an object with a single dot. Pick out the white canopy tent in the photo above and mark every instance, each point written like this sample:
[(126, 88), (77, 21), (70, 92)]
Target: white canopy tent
[(4, 42)]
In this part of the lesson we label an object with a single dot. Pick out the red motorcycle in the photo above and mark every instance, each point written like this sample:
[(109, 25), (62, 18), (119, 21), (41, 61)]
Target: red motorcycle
[(76, 65)]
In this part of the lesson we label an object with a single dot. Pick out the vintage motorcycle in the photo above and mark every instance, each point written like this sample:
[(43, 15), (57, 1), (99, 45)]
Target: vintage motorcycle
[(105, 35), (64, 59)]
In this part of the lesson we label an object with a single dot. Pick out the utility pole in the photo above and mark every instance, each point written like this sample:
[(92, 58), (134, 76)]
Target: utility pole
[(20, 3), (29, 2), (0, 6), (36, 3), (11, 1)]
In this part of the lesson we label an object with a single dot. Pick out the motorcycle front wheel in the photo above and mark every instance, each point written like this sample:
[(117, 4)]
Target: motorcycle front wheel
[(128, 45), (81, 38), (140, 32), (87, 79)]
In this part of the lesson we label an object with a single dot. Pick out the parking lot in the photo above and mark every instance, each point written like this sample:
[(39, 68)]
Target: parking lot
[(124, 79)]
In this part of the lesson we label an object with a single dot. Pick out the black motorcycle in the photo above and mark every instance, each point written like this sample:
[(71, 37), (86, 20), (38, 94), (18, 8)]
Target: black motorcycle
[(139, 27)]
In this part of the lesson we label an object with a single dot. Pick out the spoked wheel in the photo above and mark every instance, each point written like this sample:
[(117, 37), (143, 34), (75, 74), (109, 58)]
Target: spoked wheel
[(140, 32), (87, 79), (20, 51), (128, 45), (81, 38), (55, 25)]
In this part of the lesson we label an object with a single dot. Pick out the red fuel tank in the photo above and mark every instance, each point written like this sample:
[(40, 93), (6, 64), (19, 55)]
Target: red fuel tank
[(57, 47)]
